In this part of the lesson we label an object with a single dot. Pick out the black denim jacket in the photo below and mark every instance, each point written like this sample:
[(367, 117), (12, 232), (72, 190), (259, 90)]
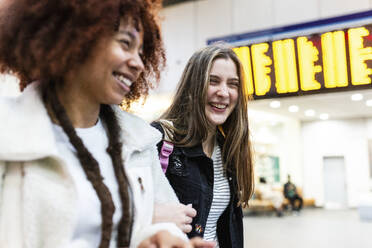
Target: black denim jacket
[(190, 172)]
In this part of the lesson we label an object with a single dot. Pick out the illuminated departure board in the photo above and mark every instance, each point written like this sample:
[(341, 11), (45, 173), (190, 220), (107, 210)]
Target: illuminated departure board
[(317, 63)]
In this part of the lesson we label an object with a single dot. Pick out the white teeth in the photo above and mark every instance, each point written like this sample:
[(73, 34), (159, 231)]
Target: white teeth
[(124, 80), (220, 106)]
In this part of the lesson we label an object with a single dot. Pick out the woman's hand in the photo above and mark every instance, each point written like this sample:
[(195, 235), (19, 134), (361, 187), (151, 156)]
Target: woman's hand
[(163, 239), (198, 242), (177, 213)]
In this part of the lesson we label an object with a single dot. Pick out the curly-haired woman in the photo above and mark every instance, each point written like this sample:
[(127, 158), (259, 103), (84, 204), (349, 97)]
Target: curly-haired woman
[(210, 166), (75, 170)]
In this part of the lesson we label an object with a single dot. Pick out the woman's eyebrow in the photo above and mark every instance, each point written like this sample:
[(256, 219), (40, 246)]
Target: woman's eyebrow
[(231, 79), (234, 79), (129, 33)]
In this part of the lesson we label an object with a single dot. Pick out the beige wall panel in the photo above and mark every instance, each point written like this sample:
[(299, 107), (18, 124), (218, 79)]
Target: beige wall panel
[(330, 8), (250, 15)]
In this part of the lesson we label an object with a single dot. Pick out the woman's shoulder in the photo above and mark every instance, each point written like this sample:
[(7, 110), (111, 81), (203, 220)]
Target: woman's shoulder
[(136, 129), (26, 127)]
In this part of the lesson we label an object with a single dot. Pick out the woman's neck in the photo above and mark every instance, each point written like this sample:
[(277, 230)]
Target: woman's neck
[(82, 112), (208, 144)]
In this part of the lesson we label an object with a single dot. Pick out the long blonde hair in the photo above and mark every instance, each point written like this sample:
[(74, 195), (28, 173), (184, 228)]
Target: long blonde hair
[(190, 124)]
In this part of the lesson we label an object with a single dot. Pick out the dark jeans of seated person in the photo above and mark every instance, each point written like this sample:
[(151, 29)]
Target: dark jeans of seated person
[(296, 199)]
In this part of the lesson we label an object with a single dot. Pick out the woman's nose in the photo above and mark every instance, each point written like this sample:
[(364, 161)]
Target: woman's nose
[(223, 90), (136, 62)]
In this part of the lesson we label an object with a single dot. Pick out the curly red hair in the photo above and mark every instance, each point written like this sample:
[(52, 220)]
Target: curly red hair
[(42, 40)]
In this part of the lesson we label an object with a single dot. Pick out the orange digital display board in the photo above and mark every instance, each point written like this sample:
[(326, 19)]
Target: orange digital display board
[(331, 61)]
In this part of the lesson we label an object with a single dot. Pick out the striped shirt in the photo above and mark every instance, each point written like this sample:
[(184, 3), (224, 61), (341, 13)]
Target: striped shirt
[(221, 196)]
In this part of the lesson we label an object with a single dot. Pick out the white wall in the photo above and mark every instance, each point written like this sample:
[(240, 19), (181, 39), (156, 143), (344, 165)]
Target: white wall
[(369, 127), (347, 138), (279, 136), (290, 152)]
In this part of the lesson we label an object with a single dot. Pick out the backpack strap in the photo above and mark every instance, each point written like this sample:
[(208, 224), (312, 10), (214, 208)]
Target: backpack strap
[(165, 152), (167, 146)]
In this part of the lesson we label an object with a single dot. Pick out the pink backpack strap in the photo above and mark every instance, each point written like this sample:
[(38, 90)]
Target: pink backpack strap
[(165, 152)]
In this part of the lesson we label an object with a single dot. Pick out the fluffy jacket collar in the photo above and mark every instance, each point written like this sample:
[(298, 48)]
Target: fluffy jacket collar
[(26, 130)]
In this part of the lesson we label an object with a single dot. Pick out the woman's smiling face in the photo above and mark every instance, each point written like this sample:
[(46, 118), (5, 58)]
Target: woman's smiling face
[(115, 64), (222, 92)]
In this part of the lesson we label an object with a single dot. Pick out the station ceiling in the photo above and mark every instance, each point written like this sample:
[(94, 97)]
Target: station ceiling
[(337, 105)]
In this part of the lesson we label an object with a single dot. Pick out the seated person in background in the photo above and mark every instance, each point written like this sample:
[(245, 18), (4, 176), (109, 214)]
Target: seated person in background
[(290, 192), (267, 193)]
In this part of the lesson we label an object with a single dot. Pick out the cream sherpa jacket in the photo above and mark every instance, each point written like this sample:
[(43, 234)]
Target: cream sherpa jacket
[(37, 194)]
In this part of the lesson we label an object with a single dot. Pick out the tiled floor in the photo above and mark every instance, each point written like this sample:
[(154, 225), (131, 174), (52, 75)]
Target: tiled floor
[(313, 228)]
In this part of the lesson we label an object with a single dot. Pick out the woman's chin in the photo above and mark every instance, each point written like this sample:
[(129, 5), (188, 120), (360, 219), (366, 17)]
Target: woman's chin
[(116, 100), (216, 120)]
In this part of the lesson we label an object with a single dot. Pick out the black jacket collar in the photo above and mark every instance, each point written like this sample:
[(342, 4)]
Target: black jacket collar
[(197, 150)]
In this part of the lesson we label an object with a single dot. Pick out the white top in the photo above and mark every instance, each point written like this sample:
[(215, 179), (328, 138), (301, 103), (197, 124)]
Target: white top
[(221, 196), (88, 222)]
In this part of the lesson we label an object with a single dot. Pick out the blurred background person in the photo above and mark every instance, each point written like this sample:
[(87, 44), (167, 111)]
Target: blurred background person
[(290, 192), (266, 192)]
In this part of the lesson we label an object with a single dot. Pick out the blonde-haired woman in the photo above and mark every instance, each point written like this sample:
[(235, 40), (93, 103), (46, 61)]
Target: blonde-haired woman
[(210, 166)]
